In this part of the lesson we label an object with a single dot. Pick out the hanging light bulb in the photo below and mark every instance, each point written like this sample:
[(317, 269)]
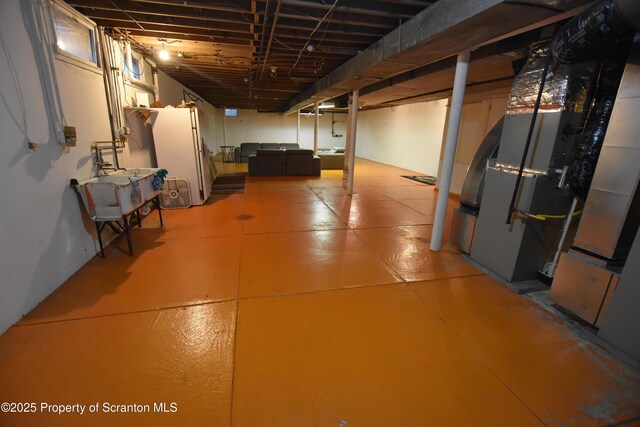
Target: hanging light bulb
[(164, 53)]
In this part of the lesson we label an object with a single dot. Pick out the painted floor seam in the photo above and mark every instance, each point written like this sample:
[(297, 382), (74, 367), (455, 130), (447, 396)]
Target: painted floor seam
[(124, 313), (321, 291), (235, 333)]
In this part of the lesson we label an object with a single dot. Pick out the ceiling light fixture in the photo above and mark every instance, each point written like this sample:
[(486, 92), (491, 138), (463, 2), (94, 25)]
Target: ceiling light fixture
[(164, 53), (327, 105), (180, 54)]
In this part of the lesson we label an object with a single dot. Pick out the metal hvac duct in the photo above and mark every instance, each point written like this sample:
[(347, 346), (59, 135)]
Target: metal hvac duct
[(603, 31)]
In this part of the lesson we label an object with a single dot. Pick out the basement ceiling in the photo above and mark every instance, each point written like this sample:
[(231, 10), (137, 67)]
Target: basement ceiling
[(256, 54), (284, 55)]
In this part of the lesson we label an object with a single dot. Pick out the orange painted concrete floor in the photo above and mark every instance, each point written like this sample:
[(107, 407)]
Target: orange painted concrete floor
[(294, 304)]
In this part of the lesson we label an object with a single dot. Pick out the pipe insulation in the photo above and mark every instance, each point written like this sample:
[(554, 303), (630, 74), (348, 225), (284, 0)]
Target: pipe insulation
[(583, 167), (604, 31)]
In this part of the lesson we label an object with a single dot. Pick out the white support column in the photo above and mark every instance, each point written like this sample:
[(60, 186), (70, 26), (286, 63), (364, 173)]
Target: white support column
[(298, 128), (353, 126), (455, 114), (224, 127), (347, 145), (316, 130)]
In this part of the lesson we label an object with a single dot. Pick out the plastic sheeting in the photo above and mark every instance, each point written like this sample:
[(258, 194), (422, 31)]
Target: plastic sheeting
[(565, 88)]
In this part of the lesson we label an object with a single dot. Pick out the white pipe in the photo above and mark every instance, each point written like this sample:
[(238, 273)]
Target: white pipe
[(353, 125), (43, 21), (156, 87), (455, 114), (298, 129), (316, 130), (563, 237), (129, 60)]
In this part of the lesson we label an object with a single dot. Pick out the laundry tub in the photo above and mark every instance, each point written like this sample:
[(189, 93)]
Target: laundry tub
[(109, 198), (145, 177)]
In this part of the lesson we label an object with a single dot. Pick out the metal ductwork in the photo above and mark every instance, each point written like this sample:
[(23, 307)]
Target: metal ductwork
[(444, 29), (603, 31)]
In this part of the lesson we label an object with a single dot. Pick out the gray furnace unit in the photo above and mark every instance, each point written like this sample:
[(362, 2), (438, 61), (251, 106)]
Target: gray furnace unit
[(508, 241)]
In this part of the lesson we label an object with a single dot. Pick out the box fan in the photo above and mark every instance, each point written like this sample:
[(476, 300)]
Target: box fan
[(175, 194)]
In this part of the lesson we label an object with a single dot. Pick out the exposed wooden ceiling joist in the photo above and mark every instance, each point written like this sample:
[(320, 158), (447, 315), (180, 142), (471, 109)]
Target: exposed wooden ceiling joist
[(262, 53)]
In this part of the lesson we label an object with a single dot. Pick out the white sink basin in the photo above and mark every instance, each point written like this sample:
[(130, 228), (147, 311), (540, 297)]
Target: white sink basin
[(145, 177), (108, 198)]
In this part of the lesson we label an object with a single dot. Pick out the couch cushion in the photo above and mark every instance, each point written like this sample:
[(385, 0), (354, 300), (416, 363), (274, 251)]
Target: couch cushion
[(332, 160), (271, 163), (270, 146), (279, 154), (250, 146), (299, 152), (277, 145), (253, 164)]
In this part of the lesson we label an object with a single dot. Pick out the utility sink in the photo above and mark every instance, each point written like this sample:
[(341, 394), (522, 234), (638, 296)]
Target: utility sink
[(145, 177), (108, 198)]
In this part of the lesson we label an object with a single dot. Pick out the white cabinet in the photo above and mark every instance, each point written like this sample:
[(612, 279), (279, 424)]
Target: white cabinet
[(180, 148)]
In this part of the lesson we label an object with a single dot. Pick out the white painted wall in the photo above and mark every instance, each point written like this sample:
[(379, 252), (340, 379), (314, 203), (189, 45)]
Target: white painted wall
[(138, 152), (480, 113), (407, 136), (252, 126), (45, 235)]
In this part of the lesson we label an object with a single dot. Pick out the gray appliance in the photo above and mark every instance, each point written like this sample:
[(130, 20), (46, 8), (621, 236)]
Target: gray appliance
[(464, 216), (620, 323), (611, 215), (517, 251)]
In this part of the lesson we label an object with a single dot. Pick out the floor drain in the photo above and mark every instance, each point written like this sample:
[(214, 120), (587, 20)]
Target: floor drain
[(245, 217)]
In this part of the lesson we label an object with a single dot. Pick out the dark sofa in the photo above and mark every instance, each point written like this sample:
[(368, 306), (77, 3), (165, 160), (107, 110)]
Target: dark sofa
[(246, 149), (268, 163), (301, 162), (292, 162)]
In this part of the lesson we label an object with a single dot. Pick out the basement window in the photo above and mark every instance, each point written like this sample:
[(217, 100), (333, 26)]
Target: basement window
[(137, 66), (75, 35)]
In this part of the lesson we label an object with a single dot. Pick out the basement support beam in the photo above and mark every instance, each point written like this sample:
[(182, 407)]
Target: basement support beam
[(451, 142), (224, 127), (351, 137), (347, 146), (298, 128), (316, 129)]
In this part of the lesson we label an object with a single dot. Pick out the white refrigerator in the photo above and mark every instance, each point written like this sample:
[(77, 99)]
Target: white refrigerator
[(180, 148)]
